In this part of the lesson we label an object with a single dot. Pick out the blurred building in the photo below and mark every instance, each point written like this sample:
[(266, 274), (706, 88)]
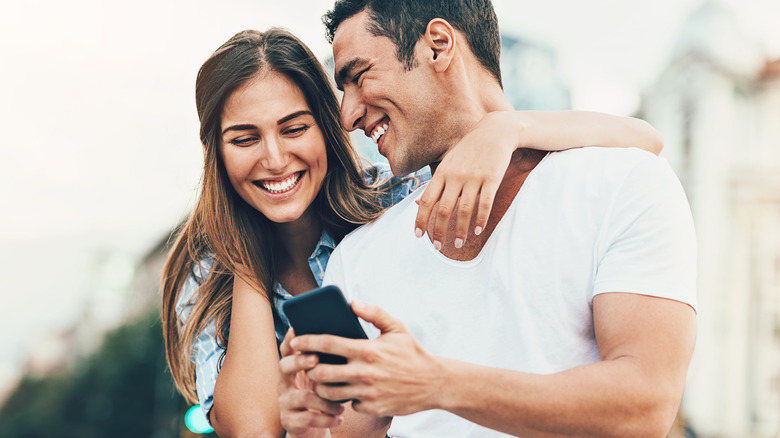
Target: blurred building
[(718, 105), (145, 290), (105, 307), (531, 77)]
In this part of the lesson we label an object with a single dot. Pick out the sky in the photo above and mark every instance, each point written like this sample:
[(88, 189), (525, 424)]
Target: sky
[(100, 157)]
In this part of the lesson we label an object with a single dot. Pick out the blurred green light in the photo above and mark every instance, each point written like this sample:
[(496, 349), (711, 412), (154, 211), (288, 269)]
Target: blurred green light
[(196, 421)]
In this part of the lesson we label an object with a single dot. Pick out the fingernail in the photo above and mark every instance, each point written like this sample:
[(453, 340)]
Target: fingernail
[(418, 232), (357, 304), (478, 231), (458, 243), (437, 245)]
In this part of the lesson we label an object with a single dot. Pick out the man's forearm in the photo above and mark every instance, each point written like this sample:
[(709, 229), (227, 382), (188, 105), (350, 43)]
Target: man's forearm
[(635, 390), (608, 398)]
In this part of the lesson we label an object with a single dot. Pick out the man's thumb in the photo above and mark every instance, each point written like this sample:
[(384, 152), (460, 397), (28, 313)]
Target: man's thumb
[(376, 316)]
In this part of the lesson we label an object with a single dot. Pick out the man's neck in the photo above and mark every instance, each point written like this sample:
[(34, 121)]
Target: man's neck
[(470, 106)]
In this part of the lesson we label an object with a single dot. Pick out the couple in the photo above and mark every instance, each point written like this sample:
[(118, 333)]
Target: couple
[(562, 305)]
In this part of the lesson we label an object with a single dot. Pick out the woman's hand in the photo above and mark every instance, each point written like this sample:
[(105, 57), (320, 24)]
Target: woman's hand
[(303, 413), (468, 177)]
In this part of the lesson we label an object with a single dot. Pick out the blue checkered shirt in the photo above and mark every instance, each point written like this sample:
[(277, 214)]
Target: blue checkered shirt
[(207, 353)]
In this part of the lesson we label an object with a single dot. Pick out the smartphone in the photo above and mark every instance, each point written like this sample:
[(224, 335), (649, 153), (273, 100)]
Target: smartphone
[(323, 311)]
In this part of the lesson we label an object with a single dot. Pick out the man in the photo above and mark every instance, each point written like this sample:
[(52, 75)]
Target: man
[(571, 313)]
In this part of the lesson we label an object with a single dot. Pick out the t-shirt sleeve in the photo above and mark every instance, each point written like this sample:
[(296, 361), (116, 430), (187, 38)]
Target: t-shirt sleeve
[(205, 351), (647, 244)]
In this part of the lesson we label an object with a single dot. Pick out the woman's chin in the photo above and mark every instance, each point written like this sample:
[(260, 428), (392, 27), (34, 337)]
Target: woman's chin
[(290, 217)]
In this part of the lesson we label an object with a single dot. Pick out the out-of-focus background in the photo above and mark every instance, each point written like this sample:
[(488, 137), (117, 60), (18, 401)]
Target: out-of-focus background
[(100, 160)]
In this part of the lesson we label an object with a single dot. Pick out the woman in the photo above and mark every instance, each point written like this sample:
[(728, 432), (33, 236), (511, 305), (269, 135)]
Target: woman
[(281, 186)]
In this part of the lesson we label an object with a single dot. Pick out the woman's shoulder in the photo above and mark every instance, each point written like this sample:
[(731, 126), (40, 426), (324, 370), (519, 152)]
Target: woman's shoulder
[(394, 188), (189, 292), (380, 172)]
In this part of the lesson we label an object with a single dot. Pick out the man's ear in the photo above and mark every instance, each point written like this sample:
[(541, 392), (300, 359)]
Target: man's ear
[(441, 40)]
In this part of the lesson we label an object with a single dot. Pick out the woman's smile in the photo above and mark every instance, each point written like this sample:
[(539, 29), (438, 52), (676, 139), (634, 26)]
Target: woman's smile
[(280, 185)]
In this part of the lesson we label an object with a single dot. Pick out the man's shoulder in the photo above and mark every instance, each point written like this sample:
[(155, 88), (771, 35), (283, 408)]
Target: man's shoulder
[(600, 156), (598, 165), (393, 220)]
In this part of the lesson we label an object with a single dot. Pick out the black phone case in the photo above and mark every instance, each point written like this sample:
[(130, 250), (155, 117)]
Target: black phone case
[(323, 311)]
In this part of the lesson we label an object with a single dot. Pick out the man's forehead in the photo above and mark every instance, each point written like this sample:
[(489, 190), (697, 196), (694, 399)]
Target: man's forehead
[(348, 36)]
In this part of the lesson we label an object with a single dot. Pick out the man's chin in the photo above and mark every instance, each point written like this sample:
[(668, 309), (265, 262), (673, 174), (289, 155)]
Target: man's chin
[(401, 170)]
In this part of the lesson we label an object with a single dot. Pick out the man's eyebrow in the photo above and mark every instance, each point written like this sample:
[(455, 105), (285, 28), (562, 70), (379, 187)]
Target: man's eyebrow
[(344, 72), (284, 119)]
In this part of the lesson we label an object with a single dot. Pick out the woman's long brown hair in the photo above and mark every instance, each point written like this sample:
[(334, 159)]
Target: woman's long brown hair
[(223, 229)]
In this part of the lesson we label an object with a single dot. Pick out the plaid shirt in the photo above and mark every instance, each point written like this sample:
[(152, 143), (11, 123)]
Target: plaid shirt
[(207, 353)]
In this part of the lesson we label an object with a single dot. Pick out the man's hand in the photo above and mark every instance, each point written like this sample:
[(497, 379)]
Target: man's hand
[(303, 413), (391, 375)]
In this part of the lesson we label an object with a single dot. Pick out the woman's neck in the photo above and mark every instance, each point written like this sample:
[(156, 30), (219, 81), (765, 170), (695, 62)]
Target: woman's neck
[(297, 241), (299, 238)]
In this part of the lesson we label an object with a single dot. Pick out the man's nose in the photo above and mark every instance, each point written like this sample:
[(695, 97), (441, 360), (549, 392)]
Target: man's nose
[(353, 110)]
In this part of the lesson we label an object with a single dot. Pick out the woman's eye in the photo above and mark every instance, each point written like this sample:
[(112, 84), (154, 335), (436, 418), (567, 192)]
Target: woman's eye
[(297, 130), (243, 141)]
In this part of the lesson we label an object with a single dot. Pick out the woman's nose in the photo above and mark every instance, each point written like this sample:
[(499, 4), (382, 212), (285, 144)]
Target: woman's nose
[(275, 155)]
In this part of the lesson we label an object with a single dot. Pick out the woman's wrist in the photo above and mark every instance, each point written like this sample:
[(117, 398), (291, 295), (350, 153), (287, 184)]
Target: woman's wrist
[(517, 124)]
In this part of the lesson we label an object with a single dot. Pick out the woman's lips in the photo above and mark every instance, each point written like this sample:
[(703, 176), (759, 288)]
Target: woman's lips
[(280, 186)]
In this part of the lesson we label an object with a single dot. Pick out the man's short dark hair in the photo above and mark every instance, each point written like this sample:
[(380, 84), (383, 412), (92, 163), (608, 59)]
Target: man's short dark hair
[(405, 21)]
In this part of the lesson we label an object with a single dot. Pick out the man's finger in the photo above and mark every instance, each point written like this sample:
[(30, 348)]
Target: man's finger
[(289, 365), (327, 344), (378, 317), (331, 374), (299, 422), (336, 393), (285, 348), (307, 399)]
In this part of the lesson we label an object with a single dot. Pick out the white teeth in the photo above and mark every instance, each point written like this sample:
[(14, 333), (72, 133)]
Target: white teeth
[(378, 133), (282, 186)]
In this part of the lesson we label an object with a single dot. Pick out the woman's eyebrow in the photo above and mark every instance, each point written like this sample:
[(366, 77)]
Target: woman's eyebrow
[(237, 128), (284, 119), (293, 115)]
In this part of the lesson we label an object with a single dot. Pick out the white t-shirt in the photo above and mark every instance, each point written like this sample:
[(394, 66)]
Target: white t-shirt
[(585, 222)]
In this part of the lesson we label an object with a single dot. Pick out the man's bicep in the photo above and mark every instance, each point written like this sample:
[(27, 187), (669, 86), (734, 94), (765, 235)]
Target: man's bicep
[(648, 243), (656, 334)]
